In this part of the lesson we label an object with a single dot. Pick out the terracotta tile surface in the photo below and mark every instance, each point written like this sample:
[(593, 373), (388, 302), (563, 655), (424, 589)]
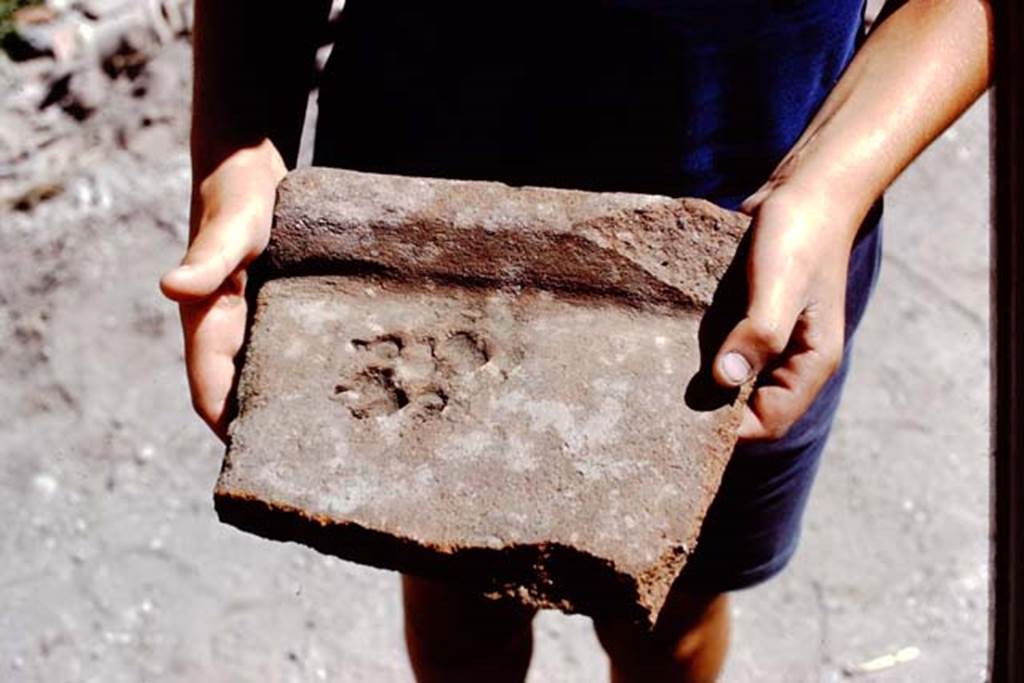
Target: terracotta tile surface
[(498, 386)]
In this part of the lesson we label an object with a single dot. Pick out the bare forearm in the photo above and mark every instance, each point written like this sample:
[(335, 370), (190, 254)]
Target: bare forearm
[(916, 73), (253, 70)]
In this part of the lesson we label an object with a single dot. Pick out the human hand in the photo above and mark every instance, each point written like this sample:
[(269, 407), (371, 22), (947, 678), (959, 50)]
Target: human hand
[(793, 332), (232, 210)]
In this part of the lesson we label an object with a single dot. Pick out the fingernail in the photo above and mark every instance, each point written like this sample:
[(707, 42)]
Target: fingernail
[(736, 368)]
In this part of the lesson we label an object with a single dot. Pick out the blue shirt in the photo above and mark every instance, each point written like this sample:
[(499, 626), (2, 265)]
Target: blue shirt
[(678, 97)]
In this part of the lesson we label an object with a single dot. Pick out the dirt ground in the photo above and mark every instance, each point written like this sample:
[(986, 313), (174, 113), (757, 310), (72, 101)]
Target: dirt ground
[(113, 566)]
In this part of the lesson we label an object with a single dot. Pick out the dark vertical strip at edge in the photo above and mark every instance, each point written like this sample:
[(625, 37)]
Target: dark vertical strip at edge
[(1007, 339)]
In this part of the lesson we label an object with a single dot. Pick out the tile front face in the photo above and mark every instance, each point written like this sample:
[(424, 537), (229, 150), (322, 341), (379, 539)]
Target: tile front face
[(524, 440)]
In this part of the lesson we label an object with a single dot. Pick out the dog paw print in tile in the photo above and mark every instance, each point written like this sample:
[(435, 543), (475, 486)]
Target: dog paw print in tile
[(399, 373)]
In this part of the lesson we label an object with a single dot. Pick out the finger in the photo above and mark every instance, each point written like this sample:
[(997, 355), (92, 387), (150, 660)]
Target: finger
[(751, 203), (757, 339), (221, 246), (790, 389), (777, 281), (214, 333)]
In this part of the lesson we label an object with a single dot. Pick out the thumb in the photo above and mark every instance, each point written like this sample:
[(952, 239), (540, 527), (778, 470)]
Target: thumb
[(758, 338), (220, 247)]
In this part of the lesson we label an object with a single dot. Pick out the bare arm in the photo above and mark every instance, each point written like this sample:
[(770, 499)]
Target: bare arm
[(917, 72), (252, 73)]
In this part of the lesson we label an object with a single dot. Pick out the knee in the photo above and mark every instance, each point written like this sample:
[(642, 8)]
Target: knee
[(687, 644), (450, 630)]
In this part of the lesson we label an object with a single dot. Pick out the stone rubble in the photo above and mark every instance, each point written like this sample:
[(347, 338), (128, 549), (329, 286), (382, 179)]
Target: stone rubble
[(78, 77)]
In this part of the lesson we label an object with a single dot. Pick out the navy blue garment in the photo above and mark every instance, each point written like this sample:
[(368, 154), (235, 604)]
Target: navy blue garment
[(678, 97)]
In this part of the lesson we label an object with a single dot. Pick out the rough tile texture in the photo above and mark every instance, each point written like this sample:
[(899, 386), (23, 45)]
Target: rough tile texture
[(493, 385)]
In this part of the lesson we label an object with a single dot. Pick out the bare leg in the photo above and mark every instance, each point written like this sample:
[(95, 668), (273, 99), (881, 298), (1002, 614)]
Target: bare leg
[(455, 636), (687, 645)]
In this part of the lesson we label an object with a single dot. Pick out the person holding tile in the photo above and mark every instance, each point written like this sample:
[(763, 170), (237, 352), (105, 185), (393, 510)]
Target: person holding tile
[(790, 111)]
